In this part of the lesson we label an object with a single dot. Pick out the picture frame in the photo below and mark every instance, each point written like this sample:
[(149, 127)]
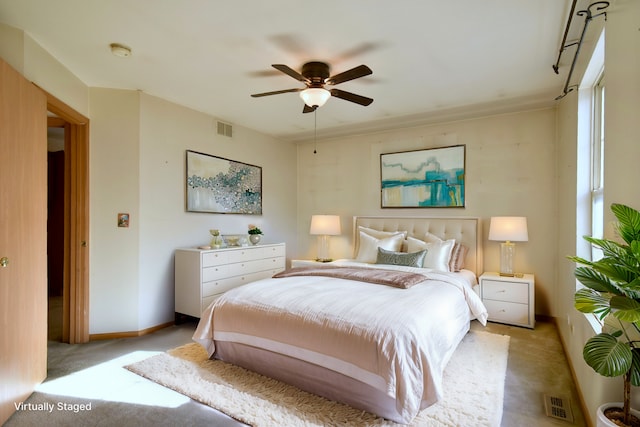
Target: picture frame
[(426, 178), (219, 185)]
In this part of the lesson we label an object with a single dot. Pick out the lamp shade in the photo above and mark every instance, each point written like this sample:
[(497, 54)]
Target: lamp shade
[(508, 229), (328, 225), (315, 96)]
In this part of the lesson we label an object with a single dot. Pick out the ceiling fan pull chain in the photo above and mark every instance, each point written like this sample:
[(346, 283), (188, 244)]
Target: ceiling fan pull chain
[(315, 130)]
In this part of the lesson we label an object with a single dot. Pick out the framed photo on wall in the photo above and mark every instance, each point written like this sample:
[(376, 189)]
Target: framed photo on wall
[(219, 185), (429, 178)]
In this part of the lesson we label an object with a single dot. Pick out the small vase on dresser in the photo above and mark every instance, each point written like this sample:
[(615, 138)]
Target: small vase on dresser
[(255, 238)]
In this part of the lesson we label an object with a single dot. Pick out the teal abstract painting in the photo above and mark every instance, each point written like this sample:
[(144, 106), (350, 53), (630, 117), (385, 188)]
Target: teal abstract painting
[(430, 178), (219, 185)]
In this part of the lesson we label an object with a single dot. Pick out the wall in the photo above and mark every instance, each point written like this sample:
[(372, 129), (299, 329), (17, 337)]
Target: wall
[(137, 152), (114, 187), (510, 170), (138, 145), (622, 71), (166, 132)]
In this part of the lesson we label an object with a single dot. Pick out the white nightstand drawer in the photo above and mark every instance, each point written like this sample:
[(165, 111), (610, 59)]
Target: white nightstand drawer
[(509, 300), (505, 291), (508, 312)]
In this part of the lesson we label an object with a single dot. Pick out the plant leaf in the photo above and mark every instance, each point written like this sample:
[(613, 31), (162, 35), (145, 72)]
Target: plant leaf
[(607, 356), (625, 309), (590, 301), (629, 222), (595, 280), (635, 368)]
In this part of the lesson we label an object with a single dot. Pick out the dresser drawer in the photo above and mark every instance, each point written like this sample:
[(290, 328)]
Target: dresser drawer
[(241, 255), (272, 263), (219, 286), (214, 258), (505, 291), (508, 312), (273, 251), (201, 276), (215, 272)]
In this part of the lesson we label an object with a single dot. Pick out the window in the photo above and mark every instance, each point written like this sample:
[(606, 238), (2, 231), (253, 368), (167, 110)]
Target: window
[(597, 165)]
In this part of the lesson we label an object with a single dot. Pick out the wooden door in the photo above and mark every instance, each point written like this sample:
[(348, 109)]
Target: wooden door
[(23, 239)]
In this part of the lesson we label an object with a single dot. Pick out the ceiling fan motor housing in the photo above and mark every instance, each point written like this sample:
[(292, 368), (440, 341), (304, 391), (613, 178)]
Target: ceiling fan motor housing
[(316, 72)]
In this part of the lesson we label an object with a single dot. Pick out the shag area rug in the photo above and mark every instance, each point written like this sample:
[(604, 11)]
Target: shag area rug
[(473, 389)]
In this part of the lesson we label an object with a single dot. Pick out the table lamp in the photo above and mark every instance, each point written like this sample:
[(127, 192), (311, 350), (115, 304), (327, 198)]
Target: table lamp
[(324, 226), (508, 229)]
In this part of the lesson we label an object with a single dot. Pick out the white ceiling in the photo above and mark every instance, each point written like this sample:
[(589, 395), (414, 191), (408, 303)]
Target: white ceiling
[(430, 58)]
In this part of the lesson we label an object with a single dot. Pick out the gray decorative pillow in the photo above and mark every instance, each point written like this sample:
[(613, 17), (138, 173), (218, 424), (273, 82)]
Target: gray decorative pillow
[(413, 259)]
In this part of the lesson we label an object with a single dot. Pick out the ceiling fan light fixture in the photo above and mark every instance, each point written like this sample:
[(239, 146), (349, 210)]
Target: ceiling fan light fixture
[(315, 96)]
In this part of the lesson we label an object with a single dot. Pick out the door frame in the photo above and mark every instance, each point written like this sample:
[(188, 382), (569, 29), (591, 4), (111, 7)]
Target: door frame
[(75, 293)]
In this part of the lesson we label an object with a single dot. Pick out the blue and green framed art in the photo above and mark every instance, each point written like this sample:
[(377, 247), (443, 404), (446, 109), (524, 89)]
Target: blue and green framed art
[(429, 178)]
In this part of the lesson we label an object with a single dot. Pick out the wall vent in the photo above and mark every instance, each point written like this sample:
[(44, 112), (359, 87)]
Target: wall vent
[(225, 129), (558, 407)]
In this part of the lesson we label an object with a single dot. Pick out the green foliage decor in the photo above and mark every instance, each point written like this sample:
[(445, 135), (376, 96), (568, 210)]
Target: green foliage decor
[(612, 293)]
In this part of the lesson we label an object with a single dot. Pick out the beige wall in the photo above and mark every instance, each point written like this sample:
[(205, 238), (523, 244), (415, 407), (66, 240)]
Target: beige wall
[(622, 71), (510, 170), (138, 145), (137, 157)]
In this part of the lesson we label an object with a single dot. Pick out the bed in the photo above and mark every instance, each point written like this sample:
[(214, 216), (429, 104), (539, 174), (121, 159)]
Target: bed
[(375, 331)]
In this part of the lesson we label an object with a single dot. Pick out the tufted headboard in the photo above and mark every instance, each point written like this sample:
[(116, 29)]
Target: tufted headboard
[(464, 230)]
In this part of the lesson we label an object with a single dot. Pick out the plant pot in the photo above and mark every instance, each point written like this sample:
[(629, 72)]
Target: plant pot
[(603, 421), (254, 238)]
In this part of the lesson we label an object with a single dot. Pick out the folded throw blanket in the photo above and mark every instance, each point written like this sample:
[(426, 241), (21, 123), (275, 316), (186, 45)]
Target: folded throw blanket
[(397, 279)]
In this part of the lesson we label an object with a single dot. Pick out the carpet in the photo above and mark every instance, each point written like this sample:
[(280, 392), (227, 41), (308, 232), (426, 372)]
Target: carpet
[(473, 389)]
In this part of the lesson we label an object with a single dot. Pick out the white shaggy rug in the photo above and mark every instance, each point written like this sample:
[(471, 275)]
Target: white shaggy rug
[(473, 389)]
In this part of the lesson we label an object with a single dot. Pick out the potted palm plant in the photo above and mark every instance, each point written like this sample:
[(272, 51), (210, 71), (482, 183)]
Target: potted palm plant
[(612, 293)]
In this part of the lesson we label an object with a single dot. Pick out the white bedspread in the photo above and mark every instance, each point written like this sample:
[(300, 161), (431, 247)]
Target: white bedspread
[(396, 340)]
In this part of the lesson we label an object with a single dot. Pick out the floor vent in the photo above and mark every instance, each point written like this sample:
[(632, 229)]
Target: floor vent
[(225, 129), (558, 407)]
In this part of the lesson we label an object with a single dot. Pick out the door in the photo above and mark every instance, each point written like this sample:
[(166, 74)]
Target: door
[(23, 239)]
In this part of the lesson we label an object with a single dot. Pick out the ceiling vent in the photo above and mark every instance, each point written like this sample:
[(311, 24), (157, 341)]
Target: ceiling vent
[(225, 129)]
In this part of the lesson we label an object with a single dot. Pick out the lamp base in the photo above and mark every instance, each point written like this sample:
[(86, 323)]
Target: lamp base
[(507, 252), (323, 249)]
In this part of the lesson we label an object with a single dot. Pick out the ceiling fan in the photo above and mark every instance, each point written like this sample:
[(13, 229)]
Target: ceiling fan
[(315, 75)]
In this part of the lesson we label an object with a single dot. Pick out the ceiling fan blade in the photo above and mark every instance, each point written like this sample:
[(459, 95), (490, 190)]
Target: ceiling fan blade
[(277, 92), (348, 96), (308, 109), (290, 71), (354, 73)]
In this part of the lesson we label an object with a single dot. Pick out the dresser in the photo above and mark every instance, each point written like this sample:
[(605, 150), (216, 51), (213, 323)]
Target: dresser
[(509, 300), (203, 275)]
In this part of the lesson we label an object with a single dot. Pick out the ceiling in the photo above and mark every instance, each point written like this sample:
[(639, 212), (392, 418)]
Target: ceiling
[(430, 59)]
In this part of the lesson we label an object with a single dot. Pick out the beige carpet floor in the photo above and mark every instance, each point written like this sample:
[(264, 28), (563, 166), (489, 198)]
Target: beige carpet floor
[(473, 389)]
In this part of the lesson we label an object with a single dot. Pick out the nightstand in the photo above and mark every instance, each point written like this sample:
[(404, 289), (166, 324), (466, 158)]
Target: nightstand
[(509, 300)]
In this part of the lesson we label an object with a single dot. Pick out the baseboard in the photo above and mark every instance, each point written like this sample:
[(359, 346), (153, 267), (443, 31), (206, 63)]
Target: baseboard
[(129, 334), (585, 412)]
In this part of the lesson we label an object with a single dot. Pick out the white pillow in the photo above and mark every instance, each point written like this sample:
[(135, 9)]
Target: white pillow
[(381, 234), (368, 248), (438, 252)]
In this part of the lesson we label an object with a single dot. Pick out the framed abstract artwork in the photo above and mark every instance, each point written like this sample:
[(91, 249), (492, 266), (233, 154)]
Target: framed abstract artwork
[(429, 178), (219, 185)]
